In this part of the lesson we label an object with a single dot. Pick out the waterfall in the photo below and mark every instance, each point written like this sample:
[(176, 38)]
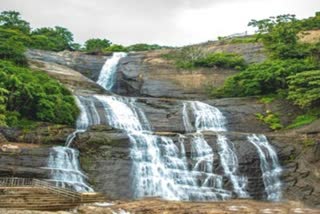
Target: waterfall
[(269, 164), (160, 168), (209, 118), (63, 161), (107, 73), (65, 170), (88, 116)]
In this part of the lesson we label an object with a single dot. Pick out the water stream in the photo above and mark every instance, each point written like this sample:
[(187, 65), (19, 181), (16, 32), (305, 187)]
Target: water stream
[(270, 167)]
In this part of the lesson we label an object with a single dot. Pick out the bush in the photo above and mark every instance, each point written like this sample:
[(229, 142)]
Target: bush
[(35, 96), (304, 88), (115, 48), (96, 45), (262, 78), (223, 60), (271, 119)]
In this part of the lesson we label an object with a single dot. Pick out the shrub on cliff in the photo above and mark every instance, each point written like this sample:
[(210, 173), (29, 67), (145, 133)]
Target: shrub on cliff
[(34, 95), (304, 88), (223, 60), (195, 57)]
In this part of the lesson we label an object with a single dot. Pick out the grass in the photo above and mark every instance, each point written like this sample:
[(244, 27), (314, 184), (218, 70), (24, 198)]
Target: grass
[(302, 120)]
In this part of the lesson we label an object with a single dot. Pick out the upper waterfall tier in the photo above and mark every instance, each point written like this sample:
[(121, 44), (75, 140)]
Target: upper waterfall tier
[(107, 74)]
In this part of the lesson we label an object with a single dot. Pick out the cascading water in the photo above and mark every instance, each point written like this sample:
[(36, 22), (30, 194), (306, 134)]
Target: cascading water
[(63, 161), (107, 73), (209, 118), (159, 167), (88, 116), (270, 167), (65, 170)]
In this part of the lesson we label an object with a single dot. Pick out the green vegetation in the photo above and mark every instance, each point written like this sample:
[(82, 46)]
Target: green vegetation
[(13, 29), (144, 47), (96, 45), (302, 120), (33, 95), (292, 70), (223, 60), (263, 78), (304, 88), (55, 39), (267, 99), (239, 40), (271, 119), (194, 57)]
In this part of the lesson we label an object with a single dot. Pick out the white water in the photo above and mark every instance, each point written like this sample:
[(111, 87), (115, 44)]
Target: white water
[(65, 170), (160, 168), (209, 118), (88, 116), (107, 73), (63, 161), (269, 164)]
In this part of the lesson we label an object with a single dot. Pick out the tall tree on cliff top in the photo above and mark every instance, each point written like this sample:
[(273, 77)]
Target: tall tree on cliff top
[(12, 20)]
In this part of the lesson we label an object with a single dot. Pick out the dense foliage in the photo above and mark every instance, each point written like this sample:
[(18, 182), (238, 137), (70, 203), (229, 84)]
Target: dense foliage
[(25, 93), (55, 39), (12, 49), (96, 45), (263, 78), (304, 88)]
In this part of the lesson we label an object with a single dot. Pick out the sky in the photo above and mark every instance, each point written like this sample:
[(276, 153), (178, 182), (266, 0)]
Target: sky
[(165, 22)]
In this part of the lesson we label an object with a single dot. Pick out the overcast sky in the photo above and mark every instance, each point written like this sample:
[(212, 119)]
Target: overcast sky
[(166, 22)]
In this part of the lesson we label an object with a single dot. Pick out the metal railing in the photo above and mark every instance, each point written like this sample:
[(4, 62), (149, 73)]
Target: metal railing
[(31, 182)]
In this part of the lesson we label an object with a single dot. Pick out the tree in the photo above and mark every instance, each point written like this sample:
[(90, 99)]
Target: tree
[(12, 20), (96, 45), (56, 39), (280, 36), (13, 51)]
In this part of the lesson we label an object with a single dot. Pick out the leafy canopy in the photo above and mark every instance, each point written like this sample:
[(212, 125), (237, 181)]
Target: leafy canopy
[(96, 45), (34, 95), (12, 20)]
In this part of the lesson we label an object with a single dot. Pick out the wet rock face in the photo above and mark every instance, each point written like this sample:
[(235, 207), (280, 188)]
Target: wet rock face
[(105, 157), (88, 65), (165, 115)]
